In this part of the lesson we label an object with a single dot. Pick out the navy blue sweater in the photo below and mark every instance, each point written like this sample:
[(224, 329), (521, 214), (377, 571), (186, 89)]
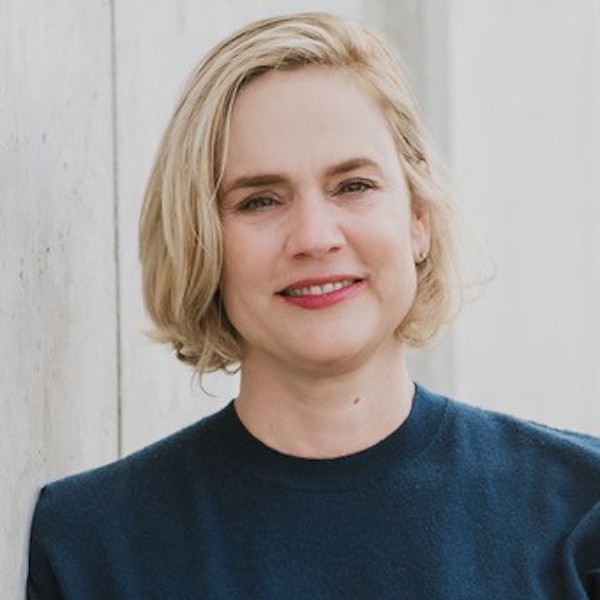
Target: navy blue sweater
[(458, 503)]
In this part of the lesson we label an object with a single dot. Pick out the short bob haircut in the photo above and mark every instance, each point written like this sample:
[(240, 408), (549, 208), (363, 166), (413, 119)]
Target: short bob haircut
[(180, 231)]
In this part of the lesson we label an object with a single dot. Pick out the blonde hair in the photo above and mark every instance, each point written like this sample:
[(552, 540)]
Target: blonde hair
[(180, 232)]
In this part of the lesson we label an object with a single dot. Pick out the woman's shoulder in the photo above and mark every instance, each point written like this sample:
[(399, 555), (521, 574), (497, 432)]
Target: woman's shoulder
[(101, 515), (150, 475), (497, 436)]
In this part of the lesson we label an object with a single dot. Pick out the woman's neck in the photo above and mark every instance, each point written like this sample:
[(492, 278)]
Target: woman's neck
[(314, 415)]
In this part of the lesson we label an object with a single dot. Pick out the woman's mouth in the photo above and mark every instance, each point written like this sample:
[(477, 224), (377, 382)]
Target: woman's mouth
[(318, 290), (321, 294)]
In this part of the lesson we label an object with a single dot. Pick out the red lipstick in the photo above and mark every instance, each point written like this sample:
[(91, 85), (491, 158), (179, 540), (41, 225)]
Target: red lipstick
[(321, 292)]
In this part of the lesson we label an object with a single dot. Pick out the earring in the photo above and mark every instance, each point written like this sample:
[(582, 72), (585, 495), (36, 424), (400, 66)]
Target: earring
[(421, 257)]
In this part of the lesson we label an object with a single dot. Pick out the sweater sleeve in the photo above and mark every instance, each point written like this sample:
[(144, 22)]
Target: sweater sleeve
[(41, 582), (582, 556)]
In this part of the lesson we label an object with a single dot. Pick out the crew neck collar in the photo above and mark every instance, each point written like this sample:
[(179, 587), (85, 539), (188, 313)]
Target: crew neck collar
[(251, 457)]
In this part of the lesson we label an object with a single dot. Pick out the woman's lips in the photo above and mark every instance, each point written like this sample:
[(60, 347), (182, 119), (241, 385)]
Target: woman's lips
[(313, 294), (317, 289)]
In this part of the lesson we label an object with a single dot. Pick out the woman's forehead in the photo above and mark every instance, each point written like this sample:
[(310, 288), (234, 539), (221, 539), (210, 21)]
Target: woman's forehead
[(284, 119)]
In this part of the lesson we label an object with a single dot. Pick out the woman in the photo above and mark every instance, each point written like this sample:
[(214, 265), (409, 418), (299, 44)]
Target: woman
[(293, 226)]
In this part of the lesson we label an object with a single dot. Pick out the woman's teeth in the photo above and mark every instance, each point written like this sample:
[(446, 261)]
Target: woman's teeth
[(317, 290)]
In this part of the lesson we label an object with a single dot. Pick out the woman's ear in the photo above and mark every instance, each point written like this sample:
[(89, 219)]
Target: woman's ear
[(420, 228)]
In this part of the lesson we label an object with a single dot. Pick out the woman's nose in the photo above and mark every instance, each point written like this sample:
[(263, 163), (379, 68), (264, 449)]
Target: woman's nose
[(313, 228)]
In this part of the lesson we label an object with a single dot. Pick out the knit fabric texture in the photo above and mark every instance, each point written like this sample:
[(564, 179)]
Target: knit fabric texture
[(457, 503)]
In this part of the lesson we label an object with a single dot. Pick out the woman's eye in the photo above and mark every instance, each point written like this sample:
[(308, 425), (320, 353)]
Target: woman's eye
[(257, 203), (355, 186)]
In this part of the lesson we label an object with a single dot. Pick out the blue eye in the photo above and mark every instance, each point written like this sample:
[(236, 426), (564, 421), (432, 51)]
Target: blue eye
[(355, 186), (256, 204)]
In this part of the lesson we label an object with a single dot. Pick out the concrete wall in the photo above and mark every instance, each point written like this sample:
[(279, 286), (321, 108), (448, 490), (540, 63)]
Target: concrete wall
[(524, 117), (58, 360), (511, 90)]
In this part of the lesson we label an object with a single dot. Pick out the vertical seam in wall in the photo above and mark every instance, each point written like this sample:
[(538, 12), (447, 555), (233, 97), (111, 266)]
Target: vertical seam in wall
[(116, 248)]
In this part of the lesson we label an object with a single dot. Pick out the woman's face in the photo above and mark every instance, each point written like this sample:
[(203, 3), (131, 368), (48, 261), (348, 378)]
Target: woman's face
[(320, 239)]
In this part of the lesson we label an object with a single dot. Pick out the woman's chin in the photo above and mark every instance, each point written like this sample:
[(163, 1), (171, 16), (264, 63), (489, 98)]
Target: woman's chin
[(330, 358)]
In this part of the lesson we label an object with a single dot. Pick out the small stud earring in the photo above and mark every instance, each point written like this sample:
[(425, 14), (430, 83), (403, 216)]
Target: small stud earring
[(421, 257)]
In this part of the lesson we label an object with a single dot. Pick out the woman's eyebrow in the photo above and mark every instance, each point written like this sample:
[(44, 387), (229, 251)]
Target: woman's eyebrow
[(264, 179), (258, 180), (352, 164)]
